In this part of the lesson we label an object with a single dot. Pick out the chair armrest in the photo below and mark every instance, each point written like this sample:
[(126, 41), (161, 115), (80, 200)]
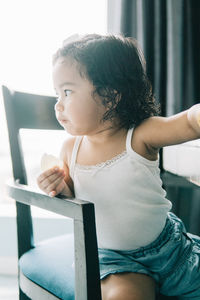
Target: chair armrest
[(86, 254), (72, 208)]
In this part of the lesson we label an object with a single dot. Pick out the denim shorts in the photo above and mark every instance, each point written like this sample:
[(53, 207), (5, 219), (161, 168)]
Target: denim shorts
[(172, 260)]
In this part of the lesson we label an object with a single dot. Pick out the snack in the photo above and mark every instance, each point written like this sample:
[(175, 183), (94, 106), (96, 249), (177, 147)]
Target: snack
[(49, 161)]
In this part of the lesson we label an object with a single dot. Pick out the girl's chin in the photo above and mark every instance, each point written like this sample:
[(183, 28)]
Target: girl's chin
[(72, 131)]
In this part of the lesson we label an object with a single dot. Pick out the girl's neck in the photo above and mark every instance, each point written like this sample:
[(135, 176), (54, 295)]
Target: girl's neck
[(102, 146), (107, 135)]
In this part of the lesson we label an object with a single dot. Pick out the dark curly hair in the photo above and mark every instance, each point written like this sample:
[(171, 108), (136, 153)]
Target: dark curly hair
[(116, 67)]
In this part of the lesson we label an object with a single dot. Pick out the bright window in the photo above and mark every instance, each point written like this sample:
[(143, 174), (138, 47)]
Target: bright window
[(31, 31)]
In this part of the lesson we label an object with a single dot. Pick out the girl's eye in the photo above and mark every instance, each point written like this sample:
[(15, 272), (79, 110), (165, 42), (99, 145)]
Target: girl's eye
[(67, 92)]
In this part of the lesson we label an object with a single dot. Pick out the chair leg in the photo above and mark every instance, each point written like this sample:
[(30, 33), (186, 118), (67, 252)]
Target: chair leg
[(22, 296)]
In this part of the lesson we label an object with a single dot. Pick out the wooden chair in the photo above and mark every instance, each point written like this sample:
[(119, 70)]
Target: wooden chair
[(46, 269)]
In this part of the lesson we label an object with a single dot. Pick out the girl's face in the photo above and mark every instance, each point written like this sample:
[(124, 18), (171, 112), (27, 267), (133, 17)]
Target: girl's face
[(77, 109)]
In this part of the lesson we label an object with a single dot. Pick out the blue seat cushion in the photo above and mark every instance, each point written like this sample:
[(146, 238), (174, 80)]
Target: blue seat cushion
[(51, 265)]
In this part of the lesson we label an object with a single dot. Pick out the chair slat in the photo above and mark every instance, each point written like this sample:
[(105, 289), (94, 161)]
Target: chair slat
[(71, 208)]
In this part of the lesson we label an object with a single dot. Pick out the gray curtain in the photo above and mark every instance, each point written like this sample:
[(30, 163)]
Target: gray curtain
[(169, 34)]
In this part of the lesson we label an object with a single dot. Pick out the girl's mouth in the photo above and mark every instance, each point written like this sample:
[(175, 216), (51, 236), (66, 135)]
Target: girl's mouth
[(62, 121)]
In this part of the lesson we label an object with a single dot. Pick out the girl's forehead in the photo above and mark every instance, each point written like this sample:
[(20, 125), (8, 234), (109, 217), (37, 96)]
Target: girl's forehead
[(68, 65), (64, 66), (68, 70), (65, 62)]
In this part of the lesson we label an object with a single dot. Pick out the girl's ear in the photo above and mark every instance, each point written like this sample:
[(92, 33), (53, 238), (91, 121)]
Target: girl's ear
[(110, 97), (118, 97), (112, 103)]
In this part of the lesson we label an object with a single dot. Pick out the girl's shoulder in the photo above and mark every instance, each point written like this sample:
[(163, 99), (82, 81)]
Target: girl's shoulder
[(66, 150), (65, 156)]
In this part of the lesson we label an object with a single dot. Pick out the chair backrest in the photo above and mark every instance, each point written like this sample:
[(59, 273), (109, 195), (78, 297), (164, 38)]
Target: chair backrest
[(24, 110), (30, 111)]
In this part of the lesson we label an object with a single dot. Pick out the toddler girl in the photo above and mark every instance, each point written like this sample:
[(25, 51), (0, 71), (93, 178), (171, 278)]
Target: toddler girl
[(105, 102)]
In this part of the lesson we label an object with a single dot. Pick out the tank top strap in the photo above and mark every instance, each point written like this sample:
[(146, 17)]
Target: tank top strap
[(74, 155), (129, 138)]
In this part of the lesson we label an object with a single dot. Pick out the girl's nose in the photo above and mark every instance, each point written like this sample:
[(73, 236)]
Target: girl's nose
[(59, 106)]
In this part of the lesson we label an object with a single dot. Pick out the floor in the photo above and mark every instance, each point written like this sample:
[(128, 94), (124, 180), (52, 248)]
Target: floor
[(8, 287)]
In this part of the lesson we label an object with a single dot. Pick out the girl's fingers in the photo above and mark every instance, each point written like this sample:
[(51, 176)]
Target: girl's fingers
[(52, 180), (44, 180), (58, 189), (49, 172), (46, 174), (52, 194), (54, 186)]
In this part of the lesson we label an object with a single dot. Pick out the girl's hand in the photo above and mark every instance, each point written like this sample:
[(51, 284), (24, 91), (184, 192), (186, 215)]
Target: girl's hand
[(52, 182)]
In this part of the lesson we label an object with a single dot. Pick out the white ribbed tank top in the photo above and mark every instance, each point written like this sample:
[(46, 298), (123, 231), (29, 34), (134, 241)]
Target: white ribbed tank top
[(130, 203)]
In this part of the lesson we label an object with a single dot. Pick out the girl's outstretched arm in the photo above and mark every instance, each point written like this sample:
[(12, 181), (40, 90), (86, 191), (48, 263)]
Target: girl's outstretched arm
[(157, 132), (193, 116)]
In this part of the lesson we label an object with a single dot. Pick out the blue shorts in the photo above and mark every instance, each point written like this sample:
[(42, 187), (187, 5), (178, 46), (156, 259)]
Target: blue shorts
[(173, 260)]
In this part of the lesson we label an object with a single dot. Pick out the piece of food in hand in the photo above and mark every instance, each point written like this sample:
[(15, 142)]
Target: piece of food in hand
[(49, 161)]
